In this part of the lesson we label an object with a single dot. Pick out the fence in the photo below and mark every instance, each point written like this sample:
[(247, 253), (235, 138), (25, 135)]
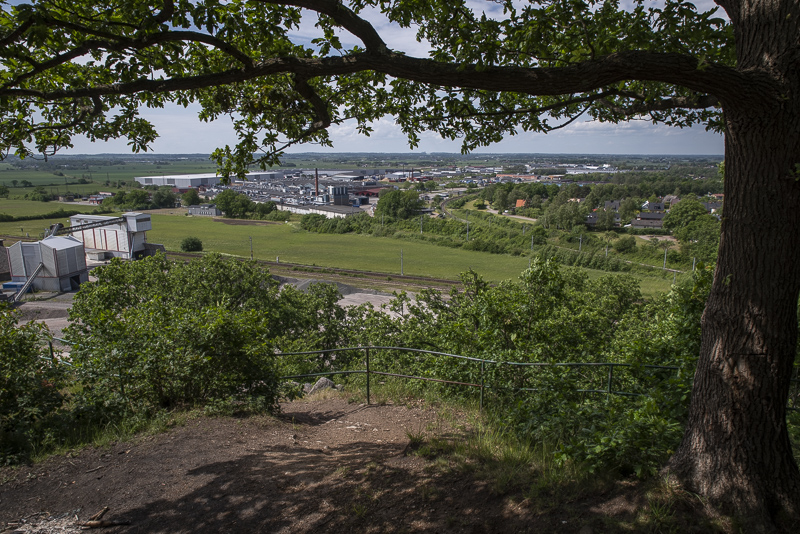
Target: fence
[(793, 402), (368, 371)]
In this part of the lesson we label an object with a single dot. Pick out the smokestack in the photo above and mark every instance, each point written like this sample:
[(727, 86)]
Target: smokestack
[(316, 182)]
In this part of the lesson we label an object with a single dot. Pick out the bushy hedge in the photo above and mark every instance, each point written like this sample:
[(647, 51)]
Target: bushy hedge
[(30, 385), (498, 235), (555, 315), (155, 335)]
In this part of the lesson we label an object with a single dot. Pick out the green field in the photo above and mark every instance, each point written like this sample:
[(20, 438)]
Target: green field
[(19, 208), (101, 177), (293, 245)]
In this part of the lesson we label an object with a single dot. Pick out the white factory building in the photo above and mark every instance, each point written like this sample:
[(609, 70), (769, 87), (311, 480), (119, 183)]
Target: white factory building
[(187, 181), (122, 237)]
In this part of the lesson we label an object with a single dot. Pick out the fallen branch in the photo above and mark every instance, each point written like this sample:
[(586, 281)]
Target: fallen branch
[(96, 521), (99, 515)]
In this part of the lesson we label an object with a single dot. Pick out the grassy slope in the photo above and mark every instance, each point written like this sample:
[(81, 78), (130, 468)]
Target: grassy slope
[(347, 251)]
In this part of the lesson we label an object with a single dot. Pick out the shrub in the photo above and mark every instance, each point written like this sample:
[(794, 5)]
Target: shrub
[(153, 334), (30, 385), (312, 221), (625, 244), (192, 244)]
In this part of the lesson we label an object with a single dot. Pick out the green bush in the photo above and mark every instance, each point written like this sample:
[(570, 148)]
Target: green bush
[(312, 221), (154, 334), (554, 315), (192, 244), (30, 385), (625, 244)]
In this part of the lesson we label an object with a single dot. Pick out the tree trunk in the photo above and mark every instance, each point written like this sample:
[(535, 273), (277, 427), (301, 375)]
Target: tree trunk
[(736, 449)]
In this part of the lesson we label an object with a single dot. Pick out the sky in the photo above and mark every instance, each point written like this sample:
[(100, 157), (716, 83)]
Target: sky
[(181, 132)]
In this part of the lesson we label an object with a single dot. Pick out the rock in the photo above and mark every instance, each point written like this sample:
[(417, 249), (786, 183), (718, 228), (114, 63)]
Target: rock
[(307, 388), (322, 383), (585, 529)]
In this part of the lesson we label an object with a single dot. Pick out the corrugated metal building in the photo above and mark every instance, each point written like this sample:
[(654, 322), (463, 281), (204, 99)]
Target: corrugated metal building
[(205, 210), (62, 261), (124, 239)]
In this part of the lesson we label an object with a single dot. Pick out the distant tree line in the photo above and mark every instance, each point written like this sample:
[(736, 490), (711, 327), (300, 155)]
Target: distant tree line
[(237, 205)]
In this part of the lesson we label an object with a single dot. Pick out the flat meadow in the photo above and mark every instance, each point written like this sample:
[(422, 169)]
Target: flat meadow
[(289, 243)]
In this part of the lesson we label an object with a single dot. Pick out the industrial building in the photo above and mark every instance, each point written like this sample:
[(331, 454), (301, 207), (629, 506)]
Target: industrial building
[(331, 212), (56, 263), (121, 237), (193, 181), (204, 210)]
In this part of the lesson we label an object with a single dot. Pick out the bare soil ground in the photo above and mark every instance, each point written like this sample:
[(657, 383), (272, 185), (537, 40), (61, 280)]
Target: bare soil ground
[(321, 466)]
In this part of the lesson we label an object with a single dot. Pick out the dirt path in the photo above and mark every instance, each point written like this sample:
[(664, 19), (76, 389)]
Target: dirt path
[(321, 466)]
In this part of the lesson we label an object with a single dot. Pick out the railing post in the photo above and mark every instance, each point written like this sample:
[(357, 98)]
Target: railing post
[(367, 376), (482, 384), (610, 378)]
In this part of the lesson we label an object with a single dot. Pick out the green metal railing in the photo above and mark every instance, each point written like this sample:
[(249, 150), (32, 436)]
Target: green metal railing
[(368, 371)]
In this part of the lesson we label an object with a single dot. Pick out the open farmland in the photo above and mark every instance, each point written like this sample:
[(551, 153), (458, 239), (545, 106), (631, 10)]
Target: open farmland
[(98, 173), (19, 208), (293, 245)]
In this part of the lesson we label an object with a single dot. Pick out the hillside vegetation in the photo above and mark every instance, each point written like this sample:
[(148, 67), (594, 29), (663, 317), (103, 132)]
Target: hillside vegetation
[(154, 336)]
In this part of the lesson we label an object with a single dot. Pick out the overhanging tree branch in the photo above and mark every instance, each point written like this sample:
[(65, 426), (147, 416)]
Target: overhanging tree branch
[(344, 17), (587, 76), (642, 107)]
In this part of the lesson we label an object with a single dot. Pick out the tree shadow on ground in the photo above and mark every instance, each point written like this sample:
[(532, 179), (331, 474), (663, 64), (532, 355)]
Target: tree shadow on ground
[(361, 487)]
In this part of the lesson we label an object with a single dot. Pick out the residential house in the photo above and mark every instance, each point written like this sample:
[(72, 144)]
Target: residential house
[(649, 220)]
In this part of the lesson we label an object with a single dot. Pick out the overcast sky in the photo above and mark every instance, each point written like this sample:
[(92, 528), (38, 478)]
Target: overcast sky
[(181, 132)]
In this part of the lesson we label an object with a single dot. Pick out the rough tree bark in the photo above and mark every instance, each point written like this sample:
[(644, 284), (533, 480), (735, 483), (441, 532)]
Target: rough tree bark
[(736, 448)]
